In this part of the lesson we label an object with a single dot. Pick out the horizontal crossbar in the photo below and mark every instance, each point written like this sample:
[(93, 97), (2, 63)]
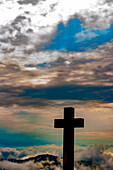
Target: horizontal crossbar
[(75, 123)]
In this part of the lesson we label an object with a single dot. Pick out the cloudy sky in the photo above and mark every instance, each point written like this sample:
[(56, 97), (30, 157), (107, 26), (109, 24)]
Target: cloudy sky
[(55, 54)]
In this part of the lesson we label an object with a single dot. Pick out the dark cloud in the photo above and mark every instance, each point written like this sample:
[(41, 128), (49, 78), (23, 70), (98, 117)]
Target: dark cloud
[(71, 92), (39, 97), (18, 19), (26, 2), (14, 31), (107, 2)]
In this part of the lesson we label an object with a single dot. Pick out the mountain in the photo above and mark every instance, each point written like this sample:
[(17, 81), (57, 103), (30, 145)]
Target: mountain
[(45, 160)]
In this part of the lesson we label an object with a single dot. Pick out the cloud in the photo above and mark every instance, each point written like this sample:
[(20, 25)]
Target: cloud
[(26, 2), (12, 166), (85, 36), (95, 157), (36, 25), (98, 15), (8, 153), (28, 166), (39, 97), (21, 64), (53, 68), (29, 26), (10, 158), (95, 134)]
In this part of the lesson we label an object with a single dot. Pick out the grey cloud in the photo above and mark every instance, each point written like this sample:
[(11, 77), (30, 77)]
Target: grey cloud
[(15, 36), (100, 15), (94, 158), (18, 19), (45, 96), (12, 153), (9, 68), (12, 166), (29, 30), (106, 2), (29, 166), (26, 2), (22, 30), (84, 71), (55, 68), (14, 40)]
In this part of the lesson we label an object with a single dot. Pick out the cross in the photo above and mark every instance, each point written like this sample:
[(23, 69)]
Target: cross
[(68, 123)]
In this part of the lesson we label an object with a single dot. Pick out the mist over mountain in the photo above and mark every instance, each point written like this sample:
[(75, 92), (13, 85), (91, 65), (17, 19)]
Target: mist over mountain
[(95, 157), (44, 161)]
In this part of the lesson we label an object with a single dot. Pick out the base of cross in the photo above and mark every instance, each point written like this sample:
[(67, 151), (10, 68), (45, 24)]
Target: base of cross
[(68, 123)]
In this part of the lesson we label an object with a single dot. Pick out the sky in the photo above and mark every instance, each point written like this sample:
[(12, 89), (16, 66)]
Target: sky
[(55, 55)]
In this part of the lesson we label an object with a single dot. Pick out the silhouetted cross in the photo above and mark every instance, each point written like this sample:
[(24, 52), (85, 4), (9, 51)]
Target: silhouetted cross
[(68, 123)]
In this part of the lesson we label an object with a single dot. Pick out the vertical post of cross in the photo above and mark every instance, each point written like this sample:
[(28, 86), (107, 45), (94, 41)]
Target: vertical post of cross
[(68, 139), (68, 123)]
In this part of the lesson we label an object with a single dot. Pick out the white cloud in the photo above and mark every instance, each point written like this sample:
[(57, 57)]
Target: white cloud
[(95, 157), (85, 36), (35, 24)]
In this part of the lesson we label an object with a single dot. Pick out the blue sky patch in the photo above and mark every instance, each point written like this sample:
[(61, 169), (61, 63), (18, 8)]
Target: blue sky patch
[(75, 37)]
